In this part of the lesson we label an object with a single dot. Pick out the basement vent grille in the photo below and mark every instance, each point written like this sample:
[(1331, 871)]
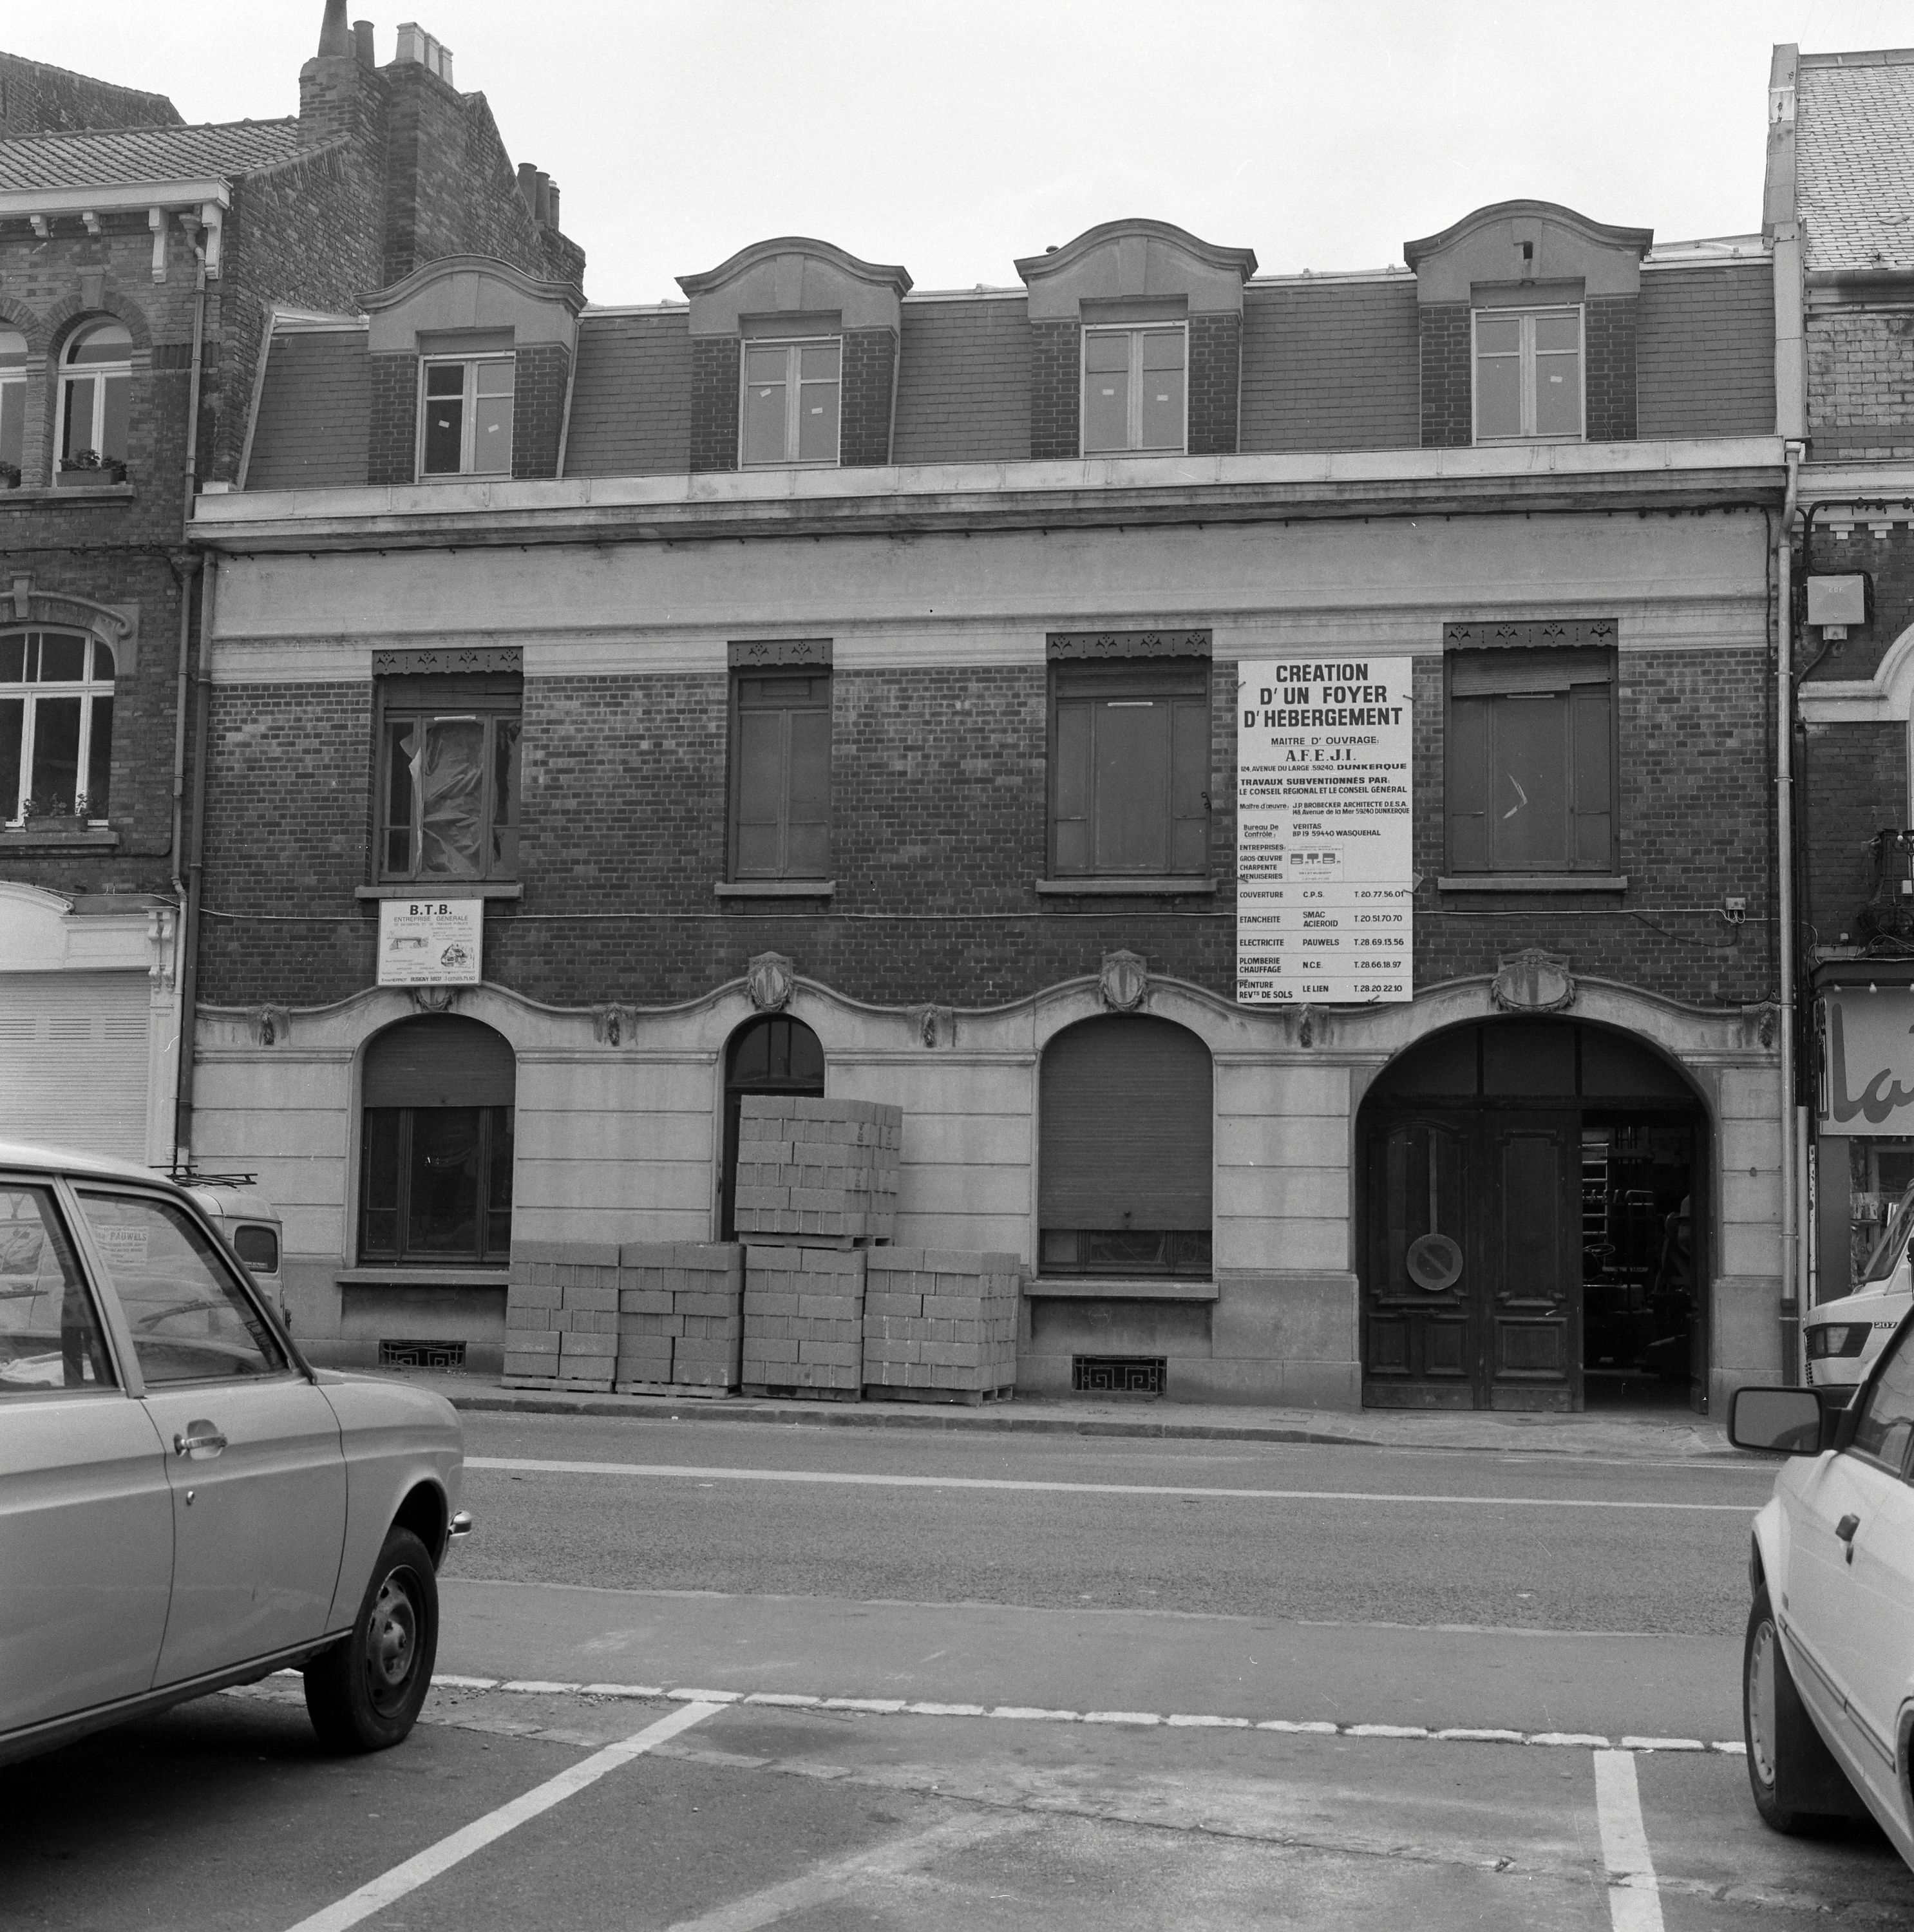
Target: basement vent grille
[(421, 1354), (1117, 1375)]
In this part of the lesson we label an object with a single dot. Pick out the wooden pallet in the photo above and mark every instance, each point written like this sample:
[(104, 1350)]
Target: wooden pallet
[(969, 1398), (698, 1391), (563, 1384), (790, 1392)]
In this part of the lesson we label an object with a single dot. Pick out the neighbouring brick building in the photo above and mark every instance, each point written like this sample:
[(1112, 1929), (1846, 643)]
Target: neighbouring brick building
[(823, 686), (142, 261), (1839, 196)]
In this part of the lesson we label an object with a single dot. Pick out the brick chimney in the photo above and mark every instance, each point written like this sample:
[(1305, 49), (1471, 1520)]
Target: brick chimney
[(332, 84)]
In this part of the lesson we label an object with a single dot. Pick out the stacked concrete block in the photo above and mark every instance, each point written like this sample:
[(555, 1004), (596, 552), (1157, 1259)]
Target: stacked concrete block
[(804, 1321), (940, 1327), (812, 1170), (680, 1317), (561, 1315)]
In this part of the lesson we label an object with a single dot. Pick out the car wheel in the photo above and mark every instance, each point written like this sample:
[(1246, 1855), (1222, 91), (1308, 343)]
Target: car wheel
[(364, 1694), (1770, 1707)]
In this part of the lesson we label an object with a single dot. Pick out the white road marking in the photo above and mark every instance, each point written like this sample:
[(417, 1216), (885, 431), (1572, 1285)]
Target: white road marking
[(891, 1707), (1634, 1897), (383, 1890), (826, 1882), (539, 1466)]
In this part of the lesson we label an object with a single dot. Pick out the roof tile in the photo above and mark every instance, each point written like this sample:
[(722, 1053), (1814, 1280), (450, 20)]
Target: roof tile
[(102, 158)]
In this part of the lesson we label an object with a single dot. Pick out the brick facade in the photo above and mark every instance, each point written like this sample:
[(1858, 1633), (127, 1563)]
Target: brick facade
[(1444, 333), (715, 366), (1861, 382), (392, 440), (1608, 335), (1216, 383), (1056, 391), (869, 386), (539, 382)]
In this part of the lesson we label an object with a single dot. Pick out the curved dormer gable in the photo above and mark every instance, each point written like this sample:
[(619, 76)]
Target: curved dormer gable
[(1510, 243), (1136, 260), (794, 348), (1527, 317), (493, 347), (1136, 343)]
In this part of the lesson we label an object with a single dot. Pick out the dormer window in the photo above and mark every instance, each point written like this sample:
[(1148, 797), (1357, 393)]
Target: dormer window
[(1134, 390), (791, 401), (96, 395), (1528, 374), (465, 416)]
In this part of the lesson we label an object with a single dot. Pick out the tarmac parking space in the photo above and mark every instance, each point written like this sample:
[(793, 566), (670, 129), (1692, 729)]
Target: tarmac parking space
[(224, 1814)]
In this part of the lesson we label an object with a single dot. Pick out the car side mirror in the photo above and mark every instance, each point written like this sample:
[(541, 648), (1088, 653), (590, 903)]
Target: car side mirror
[(1784, 1421)]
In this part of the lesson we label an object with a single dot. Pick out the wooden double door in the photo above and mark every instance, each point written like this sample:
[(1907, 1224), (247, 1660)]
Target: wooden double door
[(1471, 1292)]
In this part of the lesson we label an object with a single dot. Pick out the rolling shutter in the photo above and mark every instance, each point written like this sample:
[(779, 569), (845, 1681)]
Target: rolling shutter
[(73, 1059), (1125, 1127), (440, 1060)]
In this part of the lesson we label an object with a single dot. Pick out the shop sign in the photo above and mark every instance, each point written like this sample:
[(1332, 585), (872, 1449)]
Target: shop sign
[(429, 942), (1325, 876), (1866, 1083)]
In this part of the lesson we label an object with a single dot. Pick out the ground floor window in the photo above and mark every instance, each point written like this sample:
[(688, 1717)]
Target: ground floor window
[(1125, 1150), (435, 1185), (775, 1055)]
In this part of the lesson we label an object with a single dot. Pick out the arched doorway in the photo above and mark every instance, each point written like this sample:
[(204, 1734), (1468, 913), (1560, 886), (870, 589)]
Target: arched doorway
[(774, 1055), (1532, 1223), (1124, 1162), (435, 1178)]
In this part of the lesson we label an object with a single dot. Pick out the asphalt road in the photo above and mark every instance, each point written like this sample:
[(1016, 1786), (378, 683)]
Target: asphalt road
[(1394, 1536), (1080, 1683)]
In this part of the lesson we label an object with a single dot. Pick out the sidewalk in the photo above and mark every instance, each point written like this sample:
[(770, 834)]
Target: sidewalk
[(1666, 1435)]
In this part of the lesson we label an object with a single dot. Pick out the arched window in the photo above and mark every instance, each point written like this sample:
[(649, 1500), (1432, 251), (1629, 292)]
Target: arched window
[(436, 1172), (775, 1054), (1125, 1150), (56, 725), (12, 403), (96, 391)]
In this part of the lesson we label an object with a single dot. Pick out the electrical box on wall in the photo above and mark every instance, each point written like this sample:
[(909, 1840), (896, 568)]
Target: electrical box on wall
[(1834, 603)]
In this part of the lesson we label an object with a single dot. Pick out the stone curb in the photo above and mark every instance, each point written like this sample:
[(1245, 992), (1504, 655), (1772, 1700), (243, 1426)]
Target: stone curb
[(1529, 1440)]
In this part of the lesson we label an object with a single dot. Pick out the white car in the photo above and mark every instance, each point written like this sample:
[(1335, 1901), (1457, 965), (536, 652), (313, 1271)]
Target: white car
[(1828, 1675), (184, 1503), (1843, 1339)]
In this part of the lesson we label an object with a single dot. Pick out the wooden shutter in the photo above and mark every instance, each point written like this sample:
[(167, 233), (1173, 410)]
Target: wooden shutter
[(1132, 782), (1592, 710), (1189, 785), (440, 1061), (1071, 787), (781, 778), (1125, 1127)]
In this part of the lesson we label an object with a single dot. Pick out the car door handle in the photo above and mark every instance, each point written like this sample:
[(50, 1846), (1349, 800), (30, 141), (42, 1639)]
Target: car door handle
[(1845, 1530), (200, 1438)]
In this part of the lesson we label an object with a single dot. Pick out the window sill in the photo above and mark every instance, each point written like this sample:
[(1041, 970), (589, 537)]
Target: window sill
[(1536, 882), (774, 889), (443, 889), (38, 496), (403, 1274), (1105, 885), (100, 839), (1127, 1287)]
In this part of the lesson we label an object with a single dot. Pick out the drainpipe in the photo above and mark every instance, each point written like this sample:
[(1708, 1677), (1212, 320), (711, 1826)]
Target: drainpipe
[(189, 974), (1790, 1309), (185, 877)]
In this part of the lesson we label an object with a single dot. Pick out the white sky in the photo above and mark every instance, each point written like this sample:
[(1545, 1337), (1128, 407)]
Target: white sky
[(952, 135)]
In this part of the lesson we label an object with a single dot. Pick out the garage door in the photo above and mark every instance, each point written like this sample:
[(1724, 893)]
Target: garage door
[(73, 1059)]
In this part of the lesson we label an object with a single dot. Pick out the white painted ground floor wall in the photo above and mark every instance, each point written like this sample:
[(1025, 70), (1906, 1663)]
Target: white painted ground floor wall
[(622, 1142)]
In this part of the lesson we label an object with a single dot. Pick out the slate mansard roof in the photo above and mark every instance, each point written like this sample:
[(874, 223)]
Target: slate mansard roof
[(104, 158), (1329, 363), (1854, 159)]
